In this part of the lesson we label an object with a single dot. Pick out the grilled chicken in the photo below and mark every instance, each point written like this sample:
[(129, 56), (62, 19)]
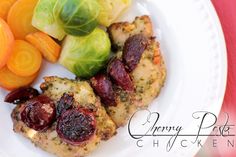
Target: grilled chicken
[(149, 75), (121, 31), (147, 78), (55, 87)]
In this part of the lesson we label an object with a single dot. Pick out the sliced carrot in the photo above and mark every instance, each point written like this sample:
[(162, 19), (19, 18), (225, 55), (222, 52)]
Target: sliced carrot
[(46, 45), (25, 59), (5, 5), (6, 42), (10, 81), (20, 17)]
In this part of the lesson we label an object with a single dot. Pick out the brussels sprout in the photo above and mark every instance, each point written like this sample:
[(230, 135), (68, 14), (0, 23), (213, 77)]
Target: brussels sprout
[(43, 19), (86, 55), (111, 10), (77, 17)]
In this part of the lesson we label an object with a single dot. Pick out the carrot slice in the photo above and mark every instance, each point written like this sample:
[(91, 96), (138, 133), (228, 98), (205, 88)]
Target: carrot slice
[(5, 6), (10, 81), (46, 45), (6, 42), (20, 17), (25, 59)]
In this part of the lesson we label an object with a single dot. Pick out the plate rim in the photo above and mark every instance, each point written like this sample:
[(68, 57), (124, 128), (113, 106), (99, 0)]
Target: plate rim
[(223, 48)]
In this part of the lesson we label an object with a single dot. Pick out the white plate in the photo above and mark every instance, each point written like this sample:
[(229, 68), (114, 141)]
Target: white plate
[(194, 50)]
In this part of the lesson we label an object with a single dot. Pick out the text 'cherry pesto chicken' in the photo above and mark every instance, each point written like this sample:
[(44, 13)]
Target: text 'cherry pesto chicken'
[(137, 71), (81, 120)]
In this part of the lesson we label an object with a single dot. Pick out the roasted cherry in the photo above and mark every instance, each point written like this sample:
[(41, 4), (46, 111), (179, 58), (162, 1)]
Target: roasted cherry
[(21, 95), (133, 50), (103, 87), (116, 70), (76, 126), (39, 113), (65, 103)]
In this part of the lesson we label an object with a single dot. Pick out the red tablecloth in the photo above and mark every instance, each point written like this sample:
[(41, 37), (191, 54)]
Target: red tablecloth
[(226, 10)]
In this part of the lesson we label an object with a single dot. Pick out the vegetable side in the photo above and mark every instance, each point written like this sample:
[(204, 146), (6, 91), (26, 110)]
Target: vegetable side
[(85, 56), (77, 17), (43, 19)]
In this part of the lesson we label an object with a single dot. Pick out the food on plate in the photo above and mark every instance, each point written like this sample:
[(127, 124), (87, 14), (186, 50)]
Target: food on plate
[(103, 87), (43, 19), (86, 55), (20, 17), (84, 124), (139, 52), (25, 60), (121, 31), (11, 81), (77, 17), (5, 5), (67, 119), (21, 95), (46, 45), (116, 70), (7, 40), (38, 113), (65, 103), (111, 10), (133, 50), (71, 117)]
